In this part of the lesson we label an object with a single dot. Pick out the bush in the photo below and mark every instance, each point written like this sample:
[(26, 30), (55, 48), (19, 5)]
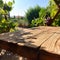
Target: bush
[(56, 22), (6, 25), (32, 13), (37, 22)]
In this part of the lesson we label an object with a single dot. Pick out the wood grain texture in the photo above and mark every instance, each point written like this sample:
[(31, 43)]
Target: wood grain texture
[(25, 42)]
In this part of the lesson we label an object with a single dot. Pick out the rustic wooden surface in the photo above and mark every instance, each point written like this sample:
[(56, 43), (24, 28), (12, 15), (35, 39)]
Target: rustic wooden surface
[(47, 37)]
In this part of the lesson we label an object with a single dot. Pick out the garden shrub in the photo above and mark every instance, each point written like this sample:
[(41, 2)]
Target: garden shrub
[(37, 22), (6, 25)]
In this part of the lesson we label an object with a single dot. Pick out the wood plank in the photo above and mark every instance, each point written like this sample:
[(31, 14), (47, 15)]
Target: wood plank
[(34, 37), (20, 50), (30, 53), (50, 43)]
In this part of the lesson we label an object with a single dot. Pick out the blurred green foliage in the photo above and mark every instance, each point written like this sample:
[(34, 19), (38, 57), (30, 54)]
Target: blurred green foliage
[(39, 17), (32, 13), (35, 16), (53, 8), (37, 22), (6, 24)]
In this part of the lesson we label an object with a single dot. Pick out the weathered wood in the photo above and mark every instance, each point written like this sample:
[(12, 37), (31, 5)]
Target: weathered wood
[(35, 37), (46, 37), (28, 52), (44, 55), (20, 50)]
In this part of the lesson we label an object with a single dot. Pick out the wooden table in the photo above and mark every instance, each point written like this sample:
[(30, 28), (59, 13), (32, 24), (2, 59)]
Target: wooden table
[(33, 42)]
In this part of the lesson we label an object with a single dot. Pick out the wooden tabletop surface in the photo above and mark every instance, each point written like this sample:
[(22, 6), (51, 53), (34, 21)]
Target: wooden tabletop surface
[(46, 37)]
